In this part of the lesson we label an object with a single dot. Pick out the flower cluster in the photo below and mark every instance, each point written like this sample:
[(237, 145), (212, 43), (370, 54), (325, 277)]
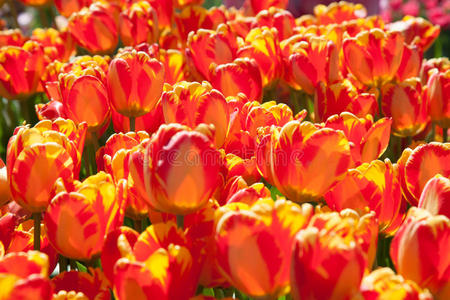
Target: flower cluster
[(170, 151)]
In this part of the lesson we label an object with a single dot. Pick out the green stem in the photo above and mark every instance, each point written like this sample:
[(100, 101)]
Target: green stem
[(139, 225), (73, 265), (444, 135), (180, 221), (43, 16), (37, 231), (132, 124), (13, 10), (63, 263), (24, 110)]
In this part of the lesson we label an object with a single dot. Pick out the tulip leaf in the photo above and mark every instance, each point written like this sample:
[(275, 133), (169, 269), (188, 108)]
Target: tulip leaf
[(81, 267)]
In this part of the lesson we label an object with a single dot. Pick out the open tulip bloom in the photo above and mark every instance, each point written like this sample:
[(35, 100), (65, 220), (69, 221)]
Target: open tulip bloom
[(259, 149)]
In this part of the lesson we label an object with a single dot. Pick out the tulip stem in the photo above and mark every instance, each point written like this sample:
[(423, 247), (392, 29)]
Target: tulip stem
[(180, 221), (63, 263), (132, 123), (37, 231), (444, 135), (139, 225), (13, 10)]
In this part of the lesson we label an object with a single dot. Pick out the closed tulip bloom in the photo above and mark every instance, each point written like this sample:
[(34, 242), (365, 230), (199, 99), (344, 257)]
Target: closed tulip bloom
[(96, 28), (181, 169), (326, 265), (278, 18), (435, 195), (383, 283), (440, 63), (437, 95), (369, 139), (52, 39), (374, 56), (135, 83), (239, 76), (254, 245), (67, 7), (193, 103), (86, 214), (138, 24), (20, 70), (420, 253), (405, 103), (339, 12), (411, 63), (311, 62), (205, 47), (291, 155)]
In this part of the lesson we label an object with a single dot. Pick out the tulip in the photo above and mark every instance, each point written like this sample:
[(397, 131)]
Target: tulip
[(289, 158), (427, 237), (438, 87), (91, 285), (257, 6), (311, 62), (149, 122), (374, 186), (411, 63), (246, 168), (85, 215), (240, 76), (181, 169), (5, 194), (205, 47), (192, 103), (12, 37), (383, 283), (175, 64), (36, 2), (374, 56), (278, 18), (326, 265), (416, 31), (368, 140), (340, 97), (254, 245), (68, 7), (339, 12), (21, 68), (96, 28), (138, 24), (418, 166), (135, 83), (404, 103), (435, 195), (52, 39), (440, 63)]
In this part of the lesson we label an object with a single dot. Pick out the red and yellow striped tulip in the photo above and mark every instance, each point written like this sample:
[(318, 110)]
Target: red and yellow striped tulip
[(290, 156), (96, 27), (442, 64), (193, 103), (374, 56), (383, 283), (21, 69), (135, 83), (278, 18), (138, 24), (435, 195), (5, 193), (258, 5), (205, 47), (246, 168), (86, 214), (181, 169), (326, 264), (68, 7), (411, 63), (338, 12), (312, 61), (420, 253), (239, 76), (368, 139), (51, 40), (371, 185), (254, 245), (12, 37), (174, 62), (92, 285), (438, 89), (418, 166), (406, 104)]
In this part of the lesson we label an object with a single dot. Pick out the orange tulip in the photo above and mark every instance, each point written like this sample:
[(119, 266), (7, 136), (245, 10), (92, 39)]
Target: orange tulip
[(257, 6), (368, 140), (404, 102), (326, 264), (8, 224), (289, 158), (435, 195), (138, 24), (175, 64), (90, 285), (5, 194), (440, 63), (85, 215), (420, 253), (438, 89), (263, 46), (411, 63), (20, 70), (278, 18), (205, 47), (54, 41), (383, 283), (135, 83), (240, 76), (254, 245), (246, 168), (342, 96), (311, 62), (25, 276), (374, 56), (67, 7), (193, 103), (181, 169), (339, 12), (418, 166), (96, 28), (374, 186), (52, 147)]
